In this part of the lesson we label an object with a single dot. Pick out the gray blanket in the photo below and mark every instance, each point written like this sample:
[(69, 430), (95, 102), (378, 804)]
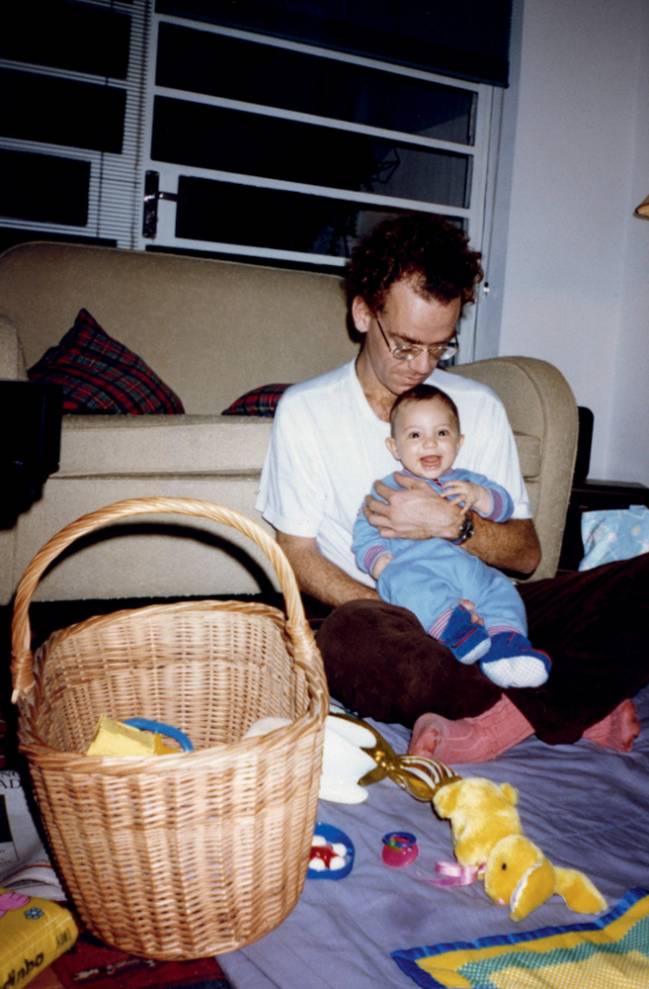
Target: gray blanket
[(586, 807)]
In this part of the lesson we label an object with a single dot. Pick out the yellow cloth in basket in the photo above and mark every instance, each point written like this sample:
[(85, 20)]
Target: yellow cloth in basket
[(116, 739)]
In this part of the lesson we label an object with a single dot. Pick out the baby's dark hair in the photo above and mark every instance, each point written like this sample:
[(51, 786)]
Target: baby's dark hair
[(431, 250), (423, 393)]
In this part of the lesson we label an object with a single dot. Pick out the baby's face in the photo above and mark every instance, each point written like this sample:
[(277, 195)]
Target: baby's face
[(426, 437)]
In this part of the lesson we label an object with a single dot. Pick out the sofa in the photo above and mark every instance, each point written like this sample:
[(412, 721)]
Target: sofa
[(211, 330)]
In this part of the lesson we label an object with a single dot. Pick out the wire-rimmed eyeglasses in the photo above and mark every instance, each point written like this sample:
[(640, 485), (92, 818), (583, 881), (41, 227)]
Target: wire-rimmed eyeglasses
[(411, 351)]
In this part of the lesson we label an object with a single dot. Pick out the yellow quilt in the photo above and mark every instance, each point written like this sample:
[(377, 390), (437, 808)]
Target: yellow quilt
[(612, 951)]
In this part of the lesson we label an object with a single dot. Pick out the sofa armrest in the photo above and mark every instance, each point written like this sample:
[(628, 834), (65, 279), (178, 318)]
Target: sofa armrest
[(541, 405), (12, 359)]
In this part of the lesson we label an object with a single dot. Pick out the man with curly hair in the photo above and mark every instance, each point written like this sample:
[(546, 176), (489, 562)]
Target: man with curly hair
[(406, 284)]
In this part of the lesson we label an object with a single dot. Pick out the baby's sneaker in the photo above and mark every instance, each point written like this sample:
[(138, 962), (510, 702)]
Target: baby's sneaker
[(513, 662), (467, 640)]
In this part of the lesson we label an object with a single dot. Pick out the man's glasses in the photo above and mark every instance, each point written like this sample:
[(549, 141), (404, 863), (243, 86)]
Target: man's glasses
[(411, 351)]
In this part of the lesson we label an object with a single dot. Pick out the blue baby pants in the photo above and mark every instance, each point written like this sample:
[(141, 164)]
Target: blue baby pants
[(430, 577)]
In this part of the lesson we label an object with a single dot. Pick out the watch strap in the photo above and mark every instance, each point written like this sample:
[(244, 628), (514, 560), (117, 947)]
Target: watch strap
[(466, 529)]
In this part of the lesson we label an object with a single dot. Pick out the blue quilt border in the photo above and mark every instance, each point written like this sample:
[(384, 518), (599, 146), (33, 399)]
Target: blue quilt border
[(406, 958)]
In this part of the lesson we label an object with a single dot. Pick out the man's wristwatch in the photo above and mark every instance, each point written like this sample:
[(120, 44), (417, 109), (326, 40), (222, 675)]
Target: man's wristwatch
[(466, 530)]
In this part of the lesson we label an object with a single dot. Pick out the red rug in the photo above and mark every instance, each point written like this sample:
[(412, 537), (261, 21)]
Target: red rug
[(90, 964)]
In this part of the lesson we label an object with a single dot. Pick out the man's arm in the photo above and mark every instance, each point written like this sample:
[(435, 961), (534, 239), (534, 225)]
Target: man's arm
[(417, 512), (317, 576), (512, 545)]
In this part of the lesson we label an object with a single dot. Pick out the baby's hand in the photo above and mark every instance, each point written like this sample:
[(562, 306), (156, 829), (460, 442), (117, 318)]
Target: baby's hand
[(380, 564), (469, 496)]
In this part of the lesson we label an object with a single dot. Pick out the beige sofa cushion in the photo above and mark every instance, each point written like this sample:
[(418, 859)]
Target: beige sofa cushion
[(529, 451), (113, 446)]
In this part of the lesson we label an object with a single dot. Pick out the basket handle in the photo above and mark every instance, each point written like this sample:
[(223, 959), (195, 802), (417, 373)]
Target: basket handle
[(22, 659)]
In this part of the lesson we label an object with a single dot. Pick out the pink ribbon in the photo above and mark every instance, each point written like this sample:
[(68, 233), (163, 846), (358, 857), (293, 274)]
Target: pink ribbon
[(454, 874)]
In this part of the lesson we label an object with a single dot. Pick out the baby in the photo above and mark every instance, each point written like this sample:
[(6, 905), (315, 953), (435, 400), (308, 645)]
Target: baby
[(469, 606)]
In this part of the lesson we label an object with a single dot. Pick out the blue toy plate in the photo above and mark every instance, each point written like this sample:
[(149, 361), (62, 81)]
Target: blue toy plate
[(331, 835)]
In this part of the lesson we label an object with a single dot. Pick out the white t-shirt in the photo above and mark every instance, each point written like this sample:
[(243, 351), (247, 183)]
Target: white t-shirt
[(328, 447)]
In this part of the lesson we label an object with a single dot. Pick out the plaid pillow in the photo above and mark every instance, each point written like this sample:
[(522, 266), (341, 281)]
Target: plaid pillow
[(99, 374), (260, 401)]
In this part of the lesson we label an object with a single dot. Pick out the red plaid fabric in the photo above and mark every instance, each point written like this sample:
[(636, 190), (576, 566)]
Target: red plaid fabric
[(99, 374), (260, 401)]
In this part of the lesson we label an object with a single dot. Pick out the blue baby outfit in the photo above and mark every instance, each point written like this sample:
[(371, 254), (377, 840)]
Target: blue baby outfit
[(429, 576)]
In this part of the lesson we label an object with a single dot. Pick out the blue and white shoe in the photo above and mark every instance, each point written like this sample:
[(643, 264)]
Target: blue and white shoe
[(467, 640), (513, 662)]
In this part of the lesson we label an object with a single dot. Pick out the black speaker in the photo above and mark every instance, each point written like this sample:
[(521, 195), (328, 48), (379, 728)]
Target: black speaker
[(30, 441), (584, 443)]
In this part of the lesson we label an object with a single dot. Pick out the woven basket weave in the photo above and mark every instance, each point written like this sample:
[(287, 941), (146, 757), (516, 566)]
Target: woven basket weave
[(179, 856)]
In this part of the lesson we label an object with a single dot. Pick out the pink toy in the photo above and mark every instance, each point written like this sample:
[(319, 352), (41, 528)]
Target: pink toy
[(399, 849)]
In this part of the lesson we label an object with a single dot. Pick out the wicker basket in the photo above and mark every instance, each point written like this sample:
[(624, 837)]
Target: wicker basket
[(186, 855)]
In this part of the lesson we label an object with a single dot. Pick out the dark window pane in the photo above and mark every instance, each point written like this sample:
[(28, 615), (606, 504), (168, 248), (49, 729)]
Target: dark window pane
[(200, 62), (64, 35), (44, 188), (232, 214), (464, 38), (253, 144), (37, 107)]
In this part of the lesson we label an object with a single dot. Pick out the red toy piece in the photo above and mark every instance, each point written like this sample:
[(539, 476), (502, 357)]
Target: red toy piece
[(324, 852), (327, 855)]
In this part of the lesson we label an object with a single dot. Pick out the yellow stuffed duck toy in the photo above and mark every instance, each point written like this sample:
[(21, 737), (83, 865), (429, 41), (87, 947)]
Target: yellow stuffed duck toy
[(487, 834)]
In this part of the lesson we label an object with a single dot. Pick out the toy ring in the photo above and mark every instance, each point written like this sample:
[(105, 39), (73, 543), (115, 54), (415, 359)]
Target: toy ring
[(145, 724)]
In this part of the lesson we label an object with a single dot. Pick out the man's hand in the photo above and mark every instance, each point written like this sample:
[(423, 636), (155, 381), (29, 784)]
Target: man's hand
[(415, 511)]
